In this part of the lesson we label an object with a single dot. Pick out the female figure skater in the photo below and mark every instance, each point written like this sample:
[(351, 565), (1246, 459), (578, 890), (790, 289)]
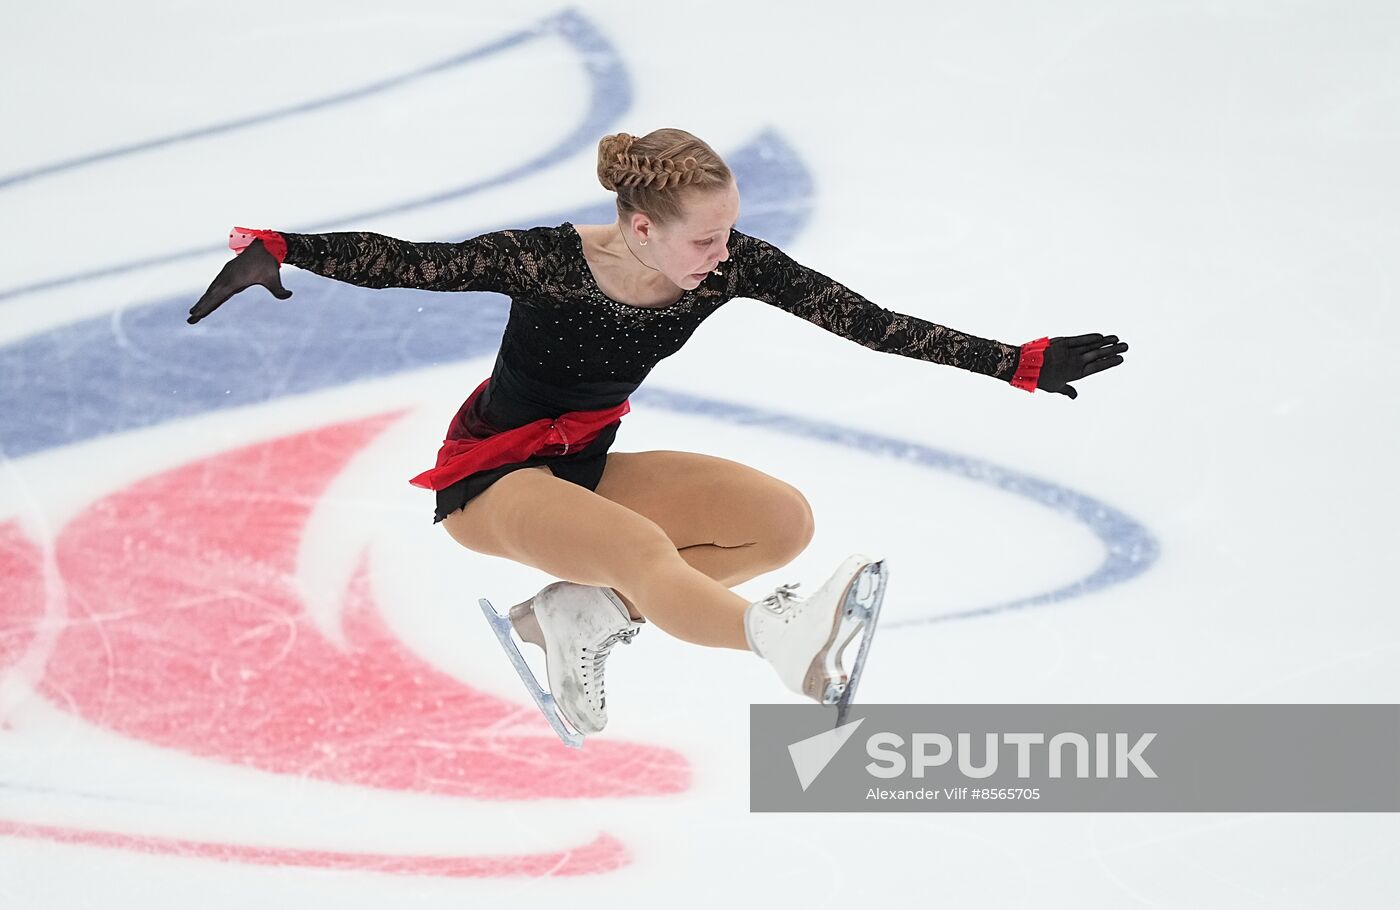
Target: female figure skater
[(525, 473)]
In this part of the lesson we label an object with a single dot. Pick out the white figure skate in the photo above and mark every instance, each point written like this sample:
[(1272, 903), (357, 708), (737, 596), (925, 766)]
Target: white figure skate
[(576, 625), (804, 638)]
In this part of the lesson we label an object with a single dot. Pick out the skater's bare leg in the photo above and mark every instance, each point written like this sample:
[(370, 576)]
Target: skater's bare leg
[(720, 563), (534, 518), (728, 520), (714, 562), (729, 565)]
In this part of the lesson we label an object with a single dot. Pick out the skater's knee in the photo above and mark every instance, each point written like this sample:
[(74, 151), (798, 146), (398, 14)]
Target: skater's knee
[(789, 527), (778, 526), (804, 524)]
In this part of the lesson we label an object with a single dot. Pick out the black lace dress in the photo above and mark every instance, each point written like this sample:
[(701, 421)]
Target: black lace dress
[(569, 347)]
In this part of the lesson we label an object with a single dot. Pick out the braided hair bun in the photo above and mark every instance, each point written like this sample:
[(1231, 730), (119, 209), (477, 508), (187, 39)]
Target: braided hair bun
[(646, 171)]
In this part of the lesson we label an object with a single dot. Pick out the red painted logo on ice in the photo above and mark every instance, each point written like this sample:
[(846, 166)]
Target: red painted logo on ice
[(184, 630)]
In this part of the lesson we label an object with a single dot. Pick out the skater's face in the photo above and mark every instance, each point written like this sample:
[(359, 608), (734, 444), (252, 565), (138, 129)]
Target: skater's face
[(689, 249)]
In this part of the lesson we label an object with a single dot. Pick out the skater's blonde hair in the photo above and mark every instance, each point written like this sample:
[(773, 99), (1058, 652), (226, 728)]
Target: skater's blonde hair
[(652, 174)]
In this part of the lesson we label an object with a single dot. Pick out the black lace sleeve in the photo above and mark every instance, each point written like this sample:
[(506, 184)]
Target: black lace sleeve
[(498, 261), (766, 273)]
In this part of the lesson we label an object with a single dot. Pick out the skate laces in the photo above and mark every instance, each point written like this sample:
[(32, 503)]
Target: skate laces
[(600, 656), (782, 598)]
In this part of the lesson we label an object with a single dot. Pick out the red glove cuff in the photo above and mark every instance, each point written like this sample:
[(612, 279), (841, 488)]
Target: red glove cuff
[(1028, 368), (275, 243)]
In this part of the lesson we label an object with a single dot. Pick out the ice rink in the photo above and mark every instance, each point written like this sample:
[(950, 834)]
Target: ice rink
[(239, 665)]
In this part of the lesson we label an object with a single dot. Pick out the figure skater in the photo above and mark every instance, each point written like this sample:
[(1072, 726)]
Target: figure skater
[(525, 471)]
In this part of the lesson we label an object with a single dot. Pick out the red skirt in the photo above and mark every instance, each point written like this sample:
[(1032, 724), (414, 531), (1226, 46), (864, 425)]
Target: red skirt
[(465, 452)]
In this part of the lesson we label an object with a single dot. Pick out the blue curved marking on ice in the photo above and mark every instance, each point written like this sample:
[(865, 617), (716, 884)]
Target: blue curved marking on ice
[(145, 365), (609, 97), (1129, 549)]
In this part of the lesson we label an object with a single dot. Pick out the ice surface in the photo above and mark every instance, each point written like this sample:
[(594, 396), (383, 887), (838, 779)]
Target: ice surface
[(239, 665)]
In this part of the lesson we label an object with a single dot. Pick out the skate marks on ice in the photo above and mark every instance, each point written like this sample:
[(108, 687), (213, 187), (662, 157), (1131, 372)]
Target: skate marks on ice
[(184, 629), (185, 663), (233, 642)]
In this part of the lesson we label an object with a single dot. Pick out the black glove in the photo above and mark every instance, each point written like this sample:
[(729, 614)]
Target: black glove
[(255, 265), (1068, 359)]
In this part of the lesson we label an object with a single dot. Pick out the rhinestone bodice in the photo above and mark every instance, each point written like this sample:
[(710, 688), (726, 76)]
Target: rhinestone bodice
[(564, 338)]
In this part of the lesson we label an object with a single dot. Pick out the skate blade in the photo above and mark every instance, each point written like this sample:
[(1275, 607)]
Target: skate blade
[(865, 610), (826, 680), (501, 625)]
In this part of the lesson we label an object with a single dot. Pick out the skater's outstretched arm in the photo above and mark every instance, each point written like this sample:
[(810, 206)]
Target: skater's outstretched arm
[(496, 261), (768, 274)]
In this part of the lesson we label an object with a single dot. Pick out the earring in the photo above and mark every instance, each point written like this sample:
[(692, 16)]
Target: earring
[(644, 243)]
